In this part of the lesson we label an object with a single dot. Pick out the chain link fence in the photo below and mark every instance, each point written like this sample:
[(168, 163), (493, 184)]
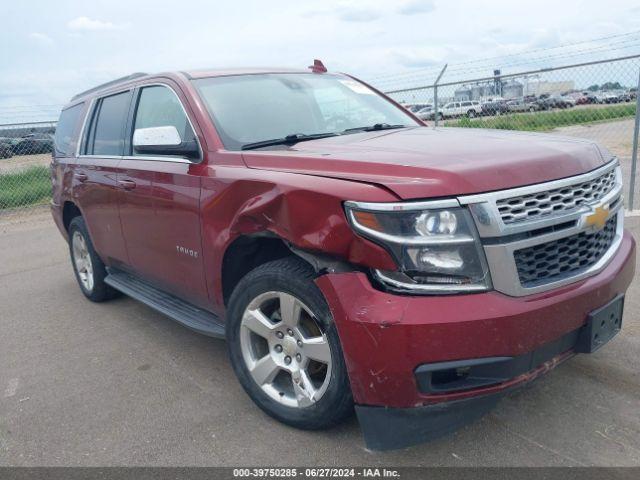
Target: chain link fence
[(25, 155), (592, 100)]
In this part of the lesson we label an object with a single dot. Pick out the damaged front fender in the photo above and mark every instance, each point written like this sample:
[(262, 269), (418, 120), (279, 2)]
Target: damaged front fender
[(306, 212)]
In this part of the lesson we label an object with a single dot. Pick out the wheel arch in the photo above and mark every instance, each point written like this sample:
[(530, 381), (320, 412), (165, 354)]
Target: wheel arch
[(69, 211), (247, 252)]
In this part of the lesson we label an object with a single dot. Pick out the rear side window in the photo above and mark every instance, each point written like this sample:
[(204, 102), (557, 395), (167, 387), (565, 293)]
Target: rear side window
[(158, 106), (64, 141), (106, 135)]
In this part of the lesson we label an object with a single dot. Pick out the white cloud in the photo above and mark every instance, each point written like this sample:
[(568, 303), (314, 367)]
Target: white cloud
[(416, 7), (358, 14), (347, 12), (86, 23), (386, 42), (41, 38), (424, 57)]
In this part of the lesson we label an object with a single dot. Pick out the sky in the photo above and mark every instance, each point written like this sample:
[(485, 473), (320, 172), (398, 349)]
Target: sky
[(53, 49)]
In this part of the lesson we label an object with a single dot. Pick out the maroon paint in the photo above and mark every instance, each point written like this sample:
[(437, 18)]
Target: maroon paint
[(385, 337), (97, 195), (297, 194), (422, 162)]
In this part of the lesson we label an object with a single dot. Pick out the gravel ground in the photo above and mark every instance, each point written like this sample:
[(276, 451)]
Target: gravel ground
[(617, 136), (119, 384)]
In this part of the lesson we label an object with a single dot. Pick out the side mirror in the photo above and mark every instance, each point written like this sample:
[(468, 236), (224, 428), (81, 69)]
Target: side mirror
[(163, 141)]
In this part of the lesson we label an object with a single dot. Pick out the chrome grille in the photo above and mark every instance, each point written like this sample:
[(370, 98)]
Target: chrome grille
[(568, 256), (555, 201)]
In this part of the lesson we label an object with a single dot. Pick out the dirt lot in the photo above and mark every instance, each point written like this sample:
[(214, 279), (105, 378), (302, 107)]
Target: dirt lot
[(20, 162), (118, 384)]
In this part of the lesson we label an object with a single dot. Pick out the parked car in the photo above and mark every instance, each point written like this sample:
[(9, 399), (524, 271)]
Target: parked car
[(384, 265), (608, 97), (544, 102), (585, 98), (494, 108), (591, 98), (33, 143), (5, 149), (522, 106), (560, 101), (458, 109), (624, 96), (416, 107), (425, 113), (554, 101)]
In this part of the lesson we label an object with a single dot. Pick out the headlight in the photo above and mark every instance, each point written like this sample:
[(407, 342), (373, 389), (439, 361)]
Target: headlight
[(435, 245)]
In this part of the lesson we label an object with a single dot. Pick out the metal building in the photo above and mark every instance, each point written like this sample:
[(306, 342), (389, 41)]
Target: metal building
[(462, 93), (512, 89)]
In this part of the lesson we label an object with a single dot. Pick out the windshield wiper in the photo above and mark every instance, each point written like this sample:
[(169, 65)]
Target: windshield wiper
[(288, 140), (374, 127)]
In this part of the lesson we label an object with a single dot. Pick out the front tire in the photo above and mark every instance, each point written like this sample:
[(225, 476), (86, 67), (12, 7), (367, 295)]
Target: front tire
[(89, 270), (284, 346)]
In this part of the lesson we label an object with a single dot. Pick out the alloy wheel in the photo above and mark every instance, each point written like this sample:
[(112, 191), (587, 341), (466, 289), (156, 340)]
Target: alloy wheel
[(82, 261), (285, 349)]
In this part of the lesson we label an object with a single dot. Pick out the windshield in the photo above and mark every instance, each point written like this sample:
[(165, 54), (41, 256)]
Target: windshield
[(254, 108)]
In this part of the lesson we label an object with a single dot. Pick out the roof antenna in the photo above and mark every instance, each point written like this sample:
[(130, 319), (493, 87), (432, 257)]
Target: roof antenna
[(318, 67)]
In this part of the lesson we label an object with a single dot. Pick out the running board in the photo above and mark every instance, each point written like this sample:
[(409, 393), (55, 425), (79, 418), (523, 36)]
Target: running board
[(190, 316)]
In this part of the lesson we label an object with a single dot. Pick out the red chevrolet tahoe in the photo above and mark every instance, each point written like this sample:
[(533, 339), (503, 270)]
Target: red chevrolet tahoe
[(350, 254)]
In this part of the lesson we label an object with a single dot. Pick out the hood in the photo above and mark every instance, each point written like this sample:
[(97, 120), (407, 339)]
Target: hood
[(425, 162)]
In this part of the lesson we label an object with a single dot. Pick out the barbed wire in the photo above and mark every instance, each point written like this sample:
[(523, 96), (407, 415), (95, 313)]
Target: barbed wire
[(498, 57)]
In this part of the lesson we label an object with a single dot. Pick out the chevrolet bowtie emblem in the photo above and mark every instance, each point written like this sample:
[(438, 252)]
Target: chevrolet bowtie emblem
[(598, 218)]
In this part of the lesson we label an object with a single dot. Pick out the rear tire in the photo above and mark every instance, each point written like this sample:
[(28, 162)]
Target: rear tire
[(284, 346), (88, 268)]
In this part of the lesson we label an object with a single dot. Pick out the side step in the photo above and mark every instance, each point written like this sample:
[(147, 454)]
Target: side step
[(182, 312)]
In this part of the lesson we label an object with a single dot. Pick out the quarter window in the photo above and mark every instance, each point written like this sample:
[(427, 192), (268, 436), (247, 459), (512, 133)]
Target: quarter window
[(106, 136), (66, 128), (158, 106)]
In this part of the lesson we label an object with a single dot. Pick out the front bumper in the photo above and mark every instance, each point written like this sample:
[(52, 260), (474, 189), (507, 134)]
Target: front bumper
[(386, 337)]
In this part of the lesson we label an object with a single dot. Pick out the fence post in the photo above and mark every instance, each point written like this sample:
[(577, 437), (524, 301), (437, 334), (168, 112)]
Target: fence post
[(435, 105), (435, 96), (634, 153)]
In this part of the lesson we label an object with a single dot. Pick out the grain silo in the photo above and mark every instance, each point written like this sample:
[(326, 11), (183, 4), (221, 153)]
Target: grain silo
[(512, 89)]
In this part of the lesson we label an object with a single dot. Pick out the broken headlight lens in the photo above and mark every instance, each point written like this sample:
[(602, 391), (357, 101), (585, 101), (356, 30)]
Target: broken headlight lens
[(436, 249)]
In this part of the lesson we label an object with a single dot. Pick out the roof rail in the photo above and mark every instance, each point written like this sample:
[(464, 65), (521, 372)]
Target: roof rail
[(108, 84)]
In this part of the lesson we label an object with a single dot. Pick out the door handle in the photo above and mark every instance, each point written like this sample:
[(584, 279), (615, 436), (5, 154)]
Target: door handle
[(127, 184), (81, 177)]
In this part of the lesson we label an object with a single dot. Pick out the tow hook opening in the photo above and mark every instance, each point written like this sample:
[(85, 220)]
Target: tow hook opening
[(449, 376)]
